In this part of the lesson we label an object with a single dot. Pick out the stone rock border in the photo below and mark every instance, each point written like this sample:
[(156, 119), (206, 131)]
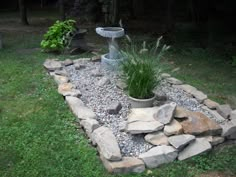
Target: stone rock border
[(181, 135)]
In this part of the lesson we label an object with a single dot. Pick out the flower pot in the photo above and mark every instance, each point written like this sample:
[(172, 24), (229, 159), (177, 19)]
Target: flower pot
[(141, 103)]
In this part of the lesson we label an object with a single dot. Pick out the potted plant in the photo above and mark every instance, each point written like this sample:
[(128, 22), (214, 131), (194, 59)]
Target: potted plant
[(141, 72)]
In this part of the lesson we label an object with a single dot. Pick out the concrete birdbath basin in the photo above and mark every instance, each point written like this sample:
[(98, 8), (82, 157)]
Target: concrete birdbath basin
[(113, 58)]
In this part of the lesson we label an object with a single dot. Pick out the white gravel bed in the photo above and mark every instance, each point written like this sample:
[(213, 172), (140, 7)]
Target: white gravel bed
[(98, 98)]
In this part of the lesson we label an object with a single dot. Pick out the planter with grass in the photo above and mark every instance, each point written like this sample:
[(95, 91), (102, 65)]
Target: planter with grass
[(141, 72)]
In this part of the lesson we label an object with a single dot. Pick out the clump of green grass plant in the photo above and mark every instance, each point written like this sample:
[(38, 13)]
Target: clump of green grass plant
[(141, 68)]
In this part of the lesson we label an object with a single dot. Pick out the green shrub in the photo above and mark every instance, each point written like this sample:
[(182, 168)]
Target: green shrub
[(59, 35), (141, 69)]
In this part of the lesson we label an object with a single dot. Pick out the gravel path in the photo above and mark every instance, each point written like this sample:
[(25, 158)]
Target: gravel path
[(98, 98)]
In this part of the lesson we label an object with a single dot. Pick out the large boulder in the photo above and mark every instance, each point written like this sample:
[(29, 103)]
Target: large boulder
[(107, 144), (165, 113), (229, 128), (199, 124), (159, 155), (181, 113), (198, 146)]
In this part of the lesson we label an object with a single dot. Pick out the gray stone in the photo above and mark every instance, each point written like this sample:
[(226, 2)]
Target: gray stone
[(96, 73), (174, 81), (73, 93), (198, 146), (141, 120), (52, 65), (224, 110), (121, 85), (200, 96), (144, 127), (229, 127), (233, 115), (81, 60), (107, 143), (158, 138), (78, 66), (165, 75), (103, 81), (142, 114), (215, 140), (96, 58), (61, 73), (61, 79), (180, 141), (187, 88), (232, 136), (79, 109), (159, 155), (174, 128), (114, 108), (122, 126), (126, 165), (210, 104), (165, 113), (67, 62), (90, 125)]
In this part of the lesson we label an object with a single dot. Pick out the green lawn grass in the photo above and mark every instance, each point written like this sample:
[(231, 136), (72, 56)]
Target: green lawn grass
[(38, 134)]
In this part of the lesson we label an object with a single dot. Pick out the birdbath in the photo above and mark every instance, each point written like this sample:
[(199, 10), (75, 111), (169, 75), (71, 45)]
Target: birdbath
[(113, 58)]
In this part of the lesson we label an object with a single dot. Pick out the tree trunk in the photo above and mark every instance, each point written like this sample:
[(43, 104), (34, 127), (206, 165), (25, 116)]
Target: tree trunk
[(62, 10), (115, 12), (23, 12)]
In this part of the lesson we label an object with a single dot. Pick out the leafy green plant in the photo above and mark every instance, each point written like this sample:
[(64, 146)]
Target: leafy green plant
[(141, 68), (59, 35)]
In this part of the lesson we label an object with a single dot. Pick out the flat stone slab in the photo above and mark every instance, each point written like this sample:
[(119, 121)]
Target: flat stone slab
[(199, 124), (52, 65), (233, 115), (174, 128), (61, 79), (215, 140), (198, 146), (61, 73), (224, 110), (159, 155), (79, 109), (165, 75), (158, 138), (165, 113), (67, 62), (107, 143), (210, 104), (142, 114), (73, 93), (126, 165), (180, 141), (144, 127), (174, 81), (65, 87), (200, 96)]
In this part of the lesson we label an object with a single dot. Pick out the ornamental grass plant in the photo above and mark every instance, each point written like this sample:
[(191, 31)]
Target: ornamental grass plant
[(141, 68)]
